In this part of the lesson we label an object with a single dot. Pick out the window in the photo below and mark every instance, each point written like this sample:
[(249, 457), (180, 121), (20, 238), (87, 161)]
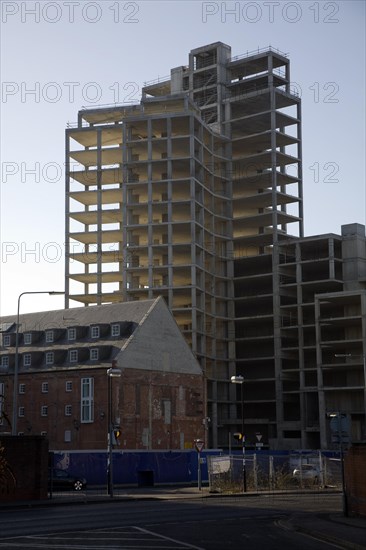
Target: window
[(50, 357), (68, 386), (44, 410), (28, 338), (87, 400), (5, 361), (27, 360), (6, 340), (44, 387), (95, 332), (67, 436), (94, 354), (167, 411), (71, 334), (68, 410), (115, 330), (73, 355), (21, 388), (21, 411), (49, 336)]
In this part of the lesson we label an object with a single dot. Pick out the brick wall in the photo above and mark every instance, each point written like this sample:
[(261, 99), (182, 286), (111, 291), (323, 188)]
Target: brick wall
[(157, 410), (27, 457), (355, 478)]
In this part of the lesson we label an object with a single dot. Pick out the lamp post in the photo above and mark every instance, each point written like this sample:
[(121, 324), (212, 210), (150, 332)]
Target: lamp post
[(16, 365), (240, 380), (111, 373)]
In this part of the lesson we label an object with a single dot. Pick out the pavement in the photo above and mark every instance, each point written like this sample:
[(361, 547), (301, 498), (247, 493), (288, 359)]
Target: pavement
[(343, 532)]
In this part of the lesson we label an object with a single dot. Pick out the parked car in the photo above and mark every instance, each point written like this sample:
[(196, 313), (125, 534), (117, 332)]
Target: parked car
[(61, 480), (306, 472)]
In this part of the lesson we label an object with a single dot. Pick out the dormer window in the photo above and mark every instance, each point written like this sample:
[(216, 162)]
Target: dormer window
[(50, 358), (73, 355), (71, 333), (49, 336), (95, 332), (28, 338), (115, 330), (94, 354), (6, 340)]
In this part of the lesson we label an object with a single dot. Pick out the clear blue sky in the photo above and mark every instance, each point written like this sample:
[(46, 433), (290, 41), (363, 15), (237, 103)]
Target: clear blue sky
[(75, 54)]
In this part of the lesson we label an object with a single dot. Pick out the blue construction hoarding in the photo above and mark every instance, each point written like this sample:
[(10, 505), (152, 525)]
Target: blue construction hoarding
[(135, 467)]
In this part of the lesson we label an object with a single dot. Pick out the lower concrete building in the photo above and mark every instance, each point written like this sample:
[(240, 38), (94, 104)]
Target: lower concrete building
[(301, 340), (63, 390)]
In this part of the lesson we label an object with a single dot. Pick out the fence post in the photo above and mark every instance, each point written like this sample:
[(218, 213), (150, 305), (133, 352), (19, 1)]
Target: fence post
[(255, 477), (271, 477)]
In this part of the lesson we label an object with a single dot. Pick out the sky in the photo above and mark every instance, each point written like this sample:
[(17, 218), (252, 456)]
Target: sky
[(59, 57)]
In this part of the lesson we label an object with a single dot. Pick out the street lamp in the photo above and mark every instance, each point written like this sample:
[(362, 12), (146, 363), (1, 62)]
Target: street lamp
[(240, 380), (111, 373), (16, 365)]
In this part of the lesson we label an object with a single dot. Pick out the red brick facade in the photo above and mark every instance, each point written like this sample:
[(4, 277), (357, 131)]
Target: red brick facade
[(167, 405)]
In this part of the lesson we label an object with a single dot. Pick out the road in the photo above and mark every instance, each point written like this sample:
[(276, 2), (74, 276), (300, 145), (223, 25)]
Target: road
[(201, 524)]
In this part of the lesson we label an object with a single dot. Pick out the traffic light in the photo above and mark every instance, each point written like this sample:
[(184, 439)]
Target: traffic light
[(116, 435), (238, 436)]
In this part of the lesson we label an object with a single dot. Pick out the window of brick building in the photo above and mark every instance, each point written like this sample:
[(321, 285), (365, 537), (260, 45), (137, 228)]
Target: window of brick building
[(95, 332), (49, 336), (94, 354), (115, 331), (50, 358), (6, 340), (87, 400)]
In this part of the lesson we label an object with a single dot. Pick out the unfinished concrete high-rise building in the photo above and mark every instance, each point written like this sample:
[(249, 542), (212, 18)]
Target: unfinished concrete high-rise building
[(189, 195)]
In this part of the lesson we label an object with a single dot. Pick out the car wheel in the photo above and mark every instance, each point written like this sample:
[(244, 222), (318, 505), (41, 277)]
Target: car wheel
[(78, 485)]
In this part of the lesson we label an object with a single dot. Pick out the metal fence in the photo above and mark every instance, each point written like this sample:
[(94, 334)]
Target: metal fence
[(273, 473)]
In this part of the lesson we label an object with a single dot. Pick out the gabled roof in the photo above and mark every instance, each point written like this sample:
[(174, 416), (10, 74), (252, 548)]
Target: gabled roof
[(83, 316), (152, 340)]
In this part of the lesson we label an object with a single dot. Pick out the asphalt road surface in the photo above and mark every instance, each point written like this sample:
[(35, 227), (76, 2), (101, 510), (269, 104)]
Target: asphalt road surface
[(202, 524)]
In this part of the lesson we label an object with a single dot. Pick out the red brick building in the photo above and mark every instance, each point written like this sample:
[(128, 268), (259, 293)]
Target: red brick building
[(63, 359)]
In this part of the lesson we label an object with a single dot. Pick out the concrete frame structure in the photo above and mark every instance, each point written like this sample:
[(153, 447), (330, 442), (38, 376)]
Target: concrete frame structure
[(321, 315), (164, 197)]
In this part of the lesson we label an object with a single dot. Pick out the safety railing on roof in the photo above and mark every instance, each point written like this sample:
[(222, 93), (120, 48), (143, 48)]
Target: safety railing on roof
[(258, 51), (157, 80)]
